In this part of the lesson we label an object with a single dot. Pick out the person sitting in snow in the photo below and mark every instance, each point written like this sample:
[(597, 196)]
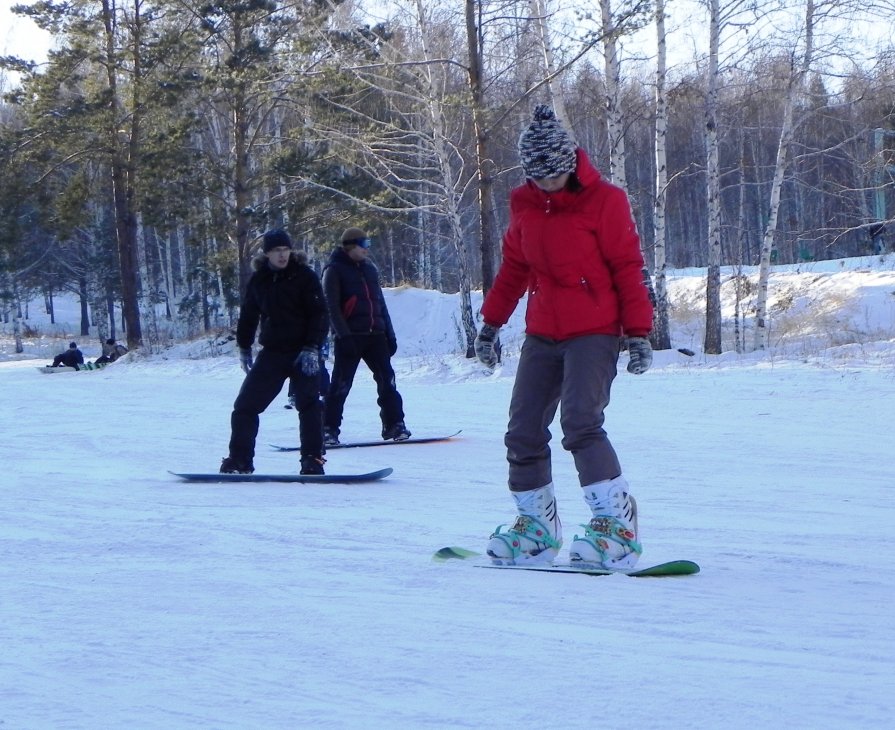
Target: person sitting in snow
[(111, 352), (71, 358)]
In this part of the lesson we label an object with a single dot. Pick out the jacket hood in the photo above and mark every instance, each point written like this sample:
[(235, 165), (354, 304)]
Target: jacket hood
[(297, 256), (585, 170), (339, 254)]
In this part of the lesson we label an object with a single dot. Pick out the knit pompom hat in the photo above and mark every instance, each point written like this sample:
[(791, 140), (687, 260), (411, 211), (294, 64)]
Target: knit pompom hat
[(546, 149)]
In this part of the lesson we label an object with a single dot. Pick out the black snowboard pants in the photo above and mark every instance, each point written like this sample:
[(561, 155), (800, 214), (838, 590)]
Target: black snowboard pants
[(261, 385), (373, 349)]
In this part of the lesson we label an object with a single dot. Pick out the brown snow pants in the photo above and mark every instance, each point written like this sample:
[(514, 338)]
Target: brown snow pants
[(577, 373)]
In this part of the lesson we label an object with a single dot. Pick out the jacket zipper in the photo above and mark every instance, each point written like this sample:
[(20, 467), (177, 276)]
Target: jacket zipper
[(363, 280)]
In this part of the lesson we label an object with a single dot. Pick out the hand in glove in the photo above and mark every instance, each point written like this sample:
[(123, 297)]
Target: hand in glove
[(392, 347), (308, 361), (485, 345), (245, 359), (641, 355)]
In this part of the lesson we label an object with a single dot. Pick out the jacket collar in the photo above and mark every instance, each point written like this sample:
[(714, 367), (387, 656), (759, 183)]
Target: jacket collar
[(340, 256)]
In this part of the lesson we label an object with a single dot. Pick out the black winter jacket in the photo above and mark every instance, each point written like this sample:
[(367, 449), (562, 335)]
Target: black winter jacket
[(354, 297), (72, 357), (288, 303)]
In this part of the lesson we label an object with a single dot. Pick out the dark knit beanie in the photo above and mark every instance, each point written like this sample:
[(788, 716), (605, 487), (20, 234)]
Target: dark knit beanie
[(546, 149), (275, 239), (353, 235)]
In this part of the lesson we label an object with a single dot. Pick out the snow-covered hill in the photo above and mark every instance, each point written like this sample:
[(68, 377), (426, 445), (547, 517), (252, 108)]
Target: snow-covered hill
[(831, 309)]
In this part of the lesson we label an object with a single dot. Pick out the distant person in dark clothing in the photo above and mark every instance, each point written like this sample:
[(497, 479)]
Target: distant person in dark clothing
[(71, 358), (111, 352), (284, 296), (363, 331)]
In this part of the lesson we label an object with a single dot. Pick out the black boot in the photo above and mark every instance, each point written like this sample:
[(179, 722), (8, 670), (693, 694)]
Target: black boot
[(312, 465), (236, 466)]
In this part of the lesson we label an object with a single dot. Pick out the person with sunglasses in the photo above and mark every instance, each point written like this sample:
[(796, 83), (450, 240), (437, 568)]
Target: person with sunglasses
[(573, 247), (363, 330)]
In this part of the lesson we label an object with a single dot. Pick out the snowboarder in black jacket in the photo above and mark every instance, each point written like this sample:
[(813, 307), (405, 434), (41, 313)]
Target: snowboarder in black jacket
[(285, 297), (363, 330)]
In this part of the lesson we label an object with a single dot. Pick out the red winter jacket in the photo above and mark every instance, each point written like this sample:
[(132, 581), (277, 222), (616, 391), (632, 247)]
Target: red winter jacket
[(577, 253)]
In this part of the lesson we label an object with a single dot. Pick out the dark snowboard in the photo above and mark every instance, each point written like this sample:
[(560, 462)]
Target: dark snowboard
[(85, 368), (363, 444), (372, 476)]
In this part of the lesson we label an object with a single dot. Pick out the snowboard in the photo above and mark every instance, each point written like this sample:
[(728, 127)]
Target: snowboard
[(372, 476), (363, 444), (661, 570), (86, 367)]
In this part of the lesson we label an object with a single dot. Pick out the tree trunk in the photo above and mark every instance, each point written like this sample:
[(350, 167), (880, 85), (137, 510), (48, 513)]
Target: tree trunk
[(539, 15), (83, 297), (661, 338), (793, 96), (122, 177), (241, 197), (712, 342), (484, 174), (614, 122)]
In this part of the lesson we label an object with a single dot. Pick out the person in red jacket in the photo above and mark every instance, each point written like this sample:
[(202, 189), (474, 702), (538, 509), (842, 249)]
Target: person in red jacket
[(572, 245)]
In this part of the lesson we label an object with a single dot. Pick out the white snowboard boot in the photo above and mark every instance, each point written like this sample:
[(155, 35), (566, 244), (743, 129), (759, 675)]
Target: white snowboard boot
[(610, 538), (535, 536)]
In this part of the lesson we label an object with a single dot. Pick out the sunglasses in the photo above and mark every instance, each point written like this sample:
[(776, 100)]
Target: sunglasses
[(362, 242)]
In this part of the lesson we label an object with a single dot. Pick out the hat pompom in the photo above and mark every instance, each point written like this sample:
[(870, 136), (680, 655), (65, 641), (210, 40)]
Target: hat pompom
[(543, 113)]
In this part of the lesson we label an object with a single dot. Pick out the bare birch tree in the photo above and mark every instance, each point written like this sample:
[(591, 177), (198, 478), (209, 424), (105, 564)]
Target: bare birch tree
[(614, 119), (712, 340), (723, 17), (794, 94), (539, 14), (661, 335), (475, 49)]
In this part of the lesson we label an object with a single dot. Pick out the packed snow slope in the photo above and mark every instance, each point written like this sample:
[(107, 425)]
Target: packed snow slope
[(131, 599)]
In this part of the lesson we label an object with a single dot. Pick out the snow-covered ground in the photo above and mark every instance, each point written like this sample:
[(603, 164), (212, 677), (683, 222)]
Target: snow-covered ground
[(130, 599)]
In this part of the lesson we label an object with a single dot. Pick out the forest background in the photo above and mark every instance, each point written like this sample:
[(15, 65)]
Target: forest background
[(145, 156)]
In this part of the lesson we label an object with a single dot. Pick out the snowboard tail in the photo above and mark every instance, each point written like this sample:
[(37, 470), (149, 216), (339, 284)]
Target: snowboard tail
[(364, 444), (372, 476), (661, 570)]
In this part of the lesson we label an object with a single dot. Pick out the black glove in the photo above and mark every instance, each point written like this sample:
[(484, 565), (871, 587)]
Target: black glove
[(485, 347), (392, 346), (308, 361), (641, 355), (245, 359)]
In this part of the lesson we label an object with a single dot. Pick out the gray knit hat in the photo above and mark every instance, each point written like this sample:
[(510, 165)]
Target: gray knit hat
[(546, 149)]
